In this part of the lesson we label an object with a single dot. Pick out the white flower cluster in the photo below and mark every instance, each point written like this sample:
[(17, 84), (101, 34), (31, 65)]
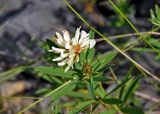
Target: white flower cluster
[(70, 48)]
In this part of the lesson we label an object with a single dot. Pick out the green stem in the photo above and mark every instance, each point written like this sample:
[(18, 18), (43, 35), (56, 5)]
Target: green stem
[(142, 69), (47, 95)]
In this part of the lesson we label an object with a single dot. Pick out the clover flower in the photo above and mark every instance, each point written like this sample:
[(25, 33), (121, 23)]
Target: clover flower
[(70, 48)]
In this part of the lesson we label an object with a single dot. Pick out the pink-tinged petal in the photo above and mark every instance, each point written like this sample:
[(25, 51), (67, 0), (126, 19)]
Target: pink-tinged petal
[(68, 46), (92, 43), (83, 35), (62, 63), (66, 36), (57, 50), (57, 59)]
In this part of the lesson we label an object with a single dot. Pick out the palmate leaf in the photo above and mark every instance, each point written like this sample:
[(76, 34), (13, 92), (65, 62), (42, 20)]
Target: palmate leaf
[(104, 60), (87, 56), (54, 71)]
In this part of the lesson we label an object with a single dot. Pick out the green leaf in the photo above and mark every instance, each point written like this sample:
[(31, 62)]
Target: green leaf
[(101, 79), (99, 90), (78, 95), (105, 59), (108, 112), (63, 91), (132, 110), (131, 88), (43, 91), (142, 49), (155, 16), (54, 71), (112, 101), (78, 66), (81, 106), (90, 89), (122, 91), (52, 79), (90, 55), (83, 55), (120, 85), (154, 42), (91, 34)]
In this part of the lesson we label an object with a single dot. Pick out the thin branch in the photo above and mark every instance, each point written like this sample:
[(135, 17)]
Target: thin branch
[(128, 35), (148, 97)]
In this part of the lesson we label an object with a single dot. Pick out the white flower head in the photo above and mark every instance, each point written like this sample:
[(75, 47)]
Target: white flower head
[(71, 48)]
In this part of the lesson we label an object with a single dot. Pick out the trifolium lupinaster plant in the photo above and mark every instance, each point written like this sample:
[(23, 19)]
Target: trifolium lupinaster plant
[(78, 71)]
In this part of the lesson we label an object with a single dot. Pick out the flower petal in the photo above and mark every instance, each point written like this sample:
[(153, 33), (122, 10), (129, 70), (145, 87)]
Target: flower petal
[(83, 35), (67, 68), (60, 40), (85, 43), (92, 43), (68, 46), (57, 59), (62, 63), (77, 58), (64, 55), (57, 50), (76, 37), (66, 36)]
